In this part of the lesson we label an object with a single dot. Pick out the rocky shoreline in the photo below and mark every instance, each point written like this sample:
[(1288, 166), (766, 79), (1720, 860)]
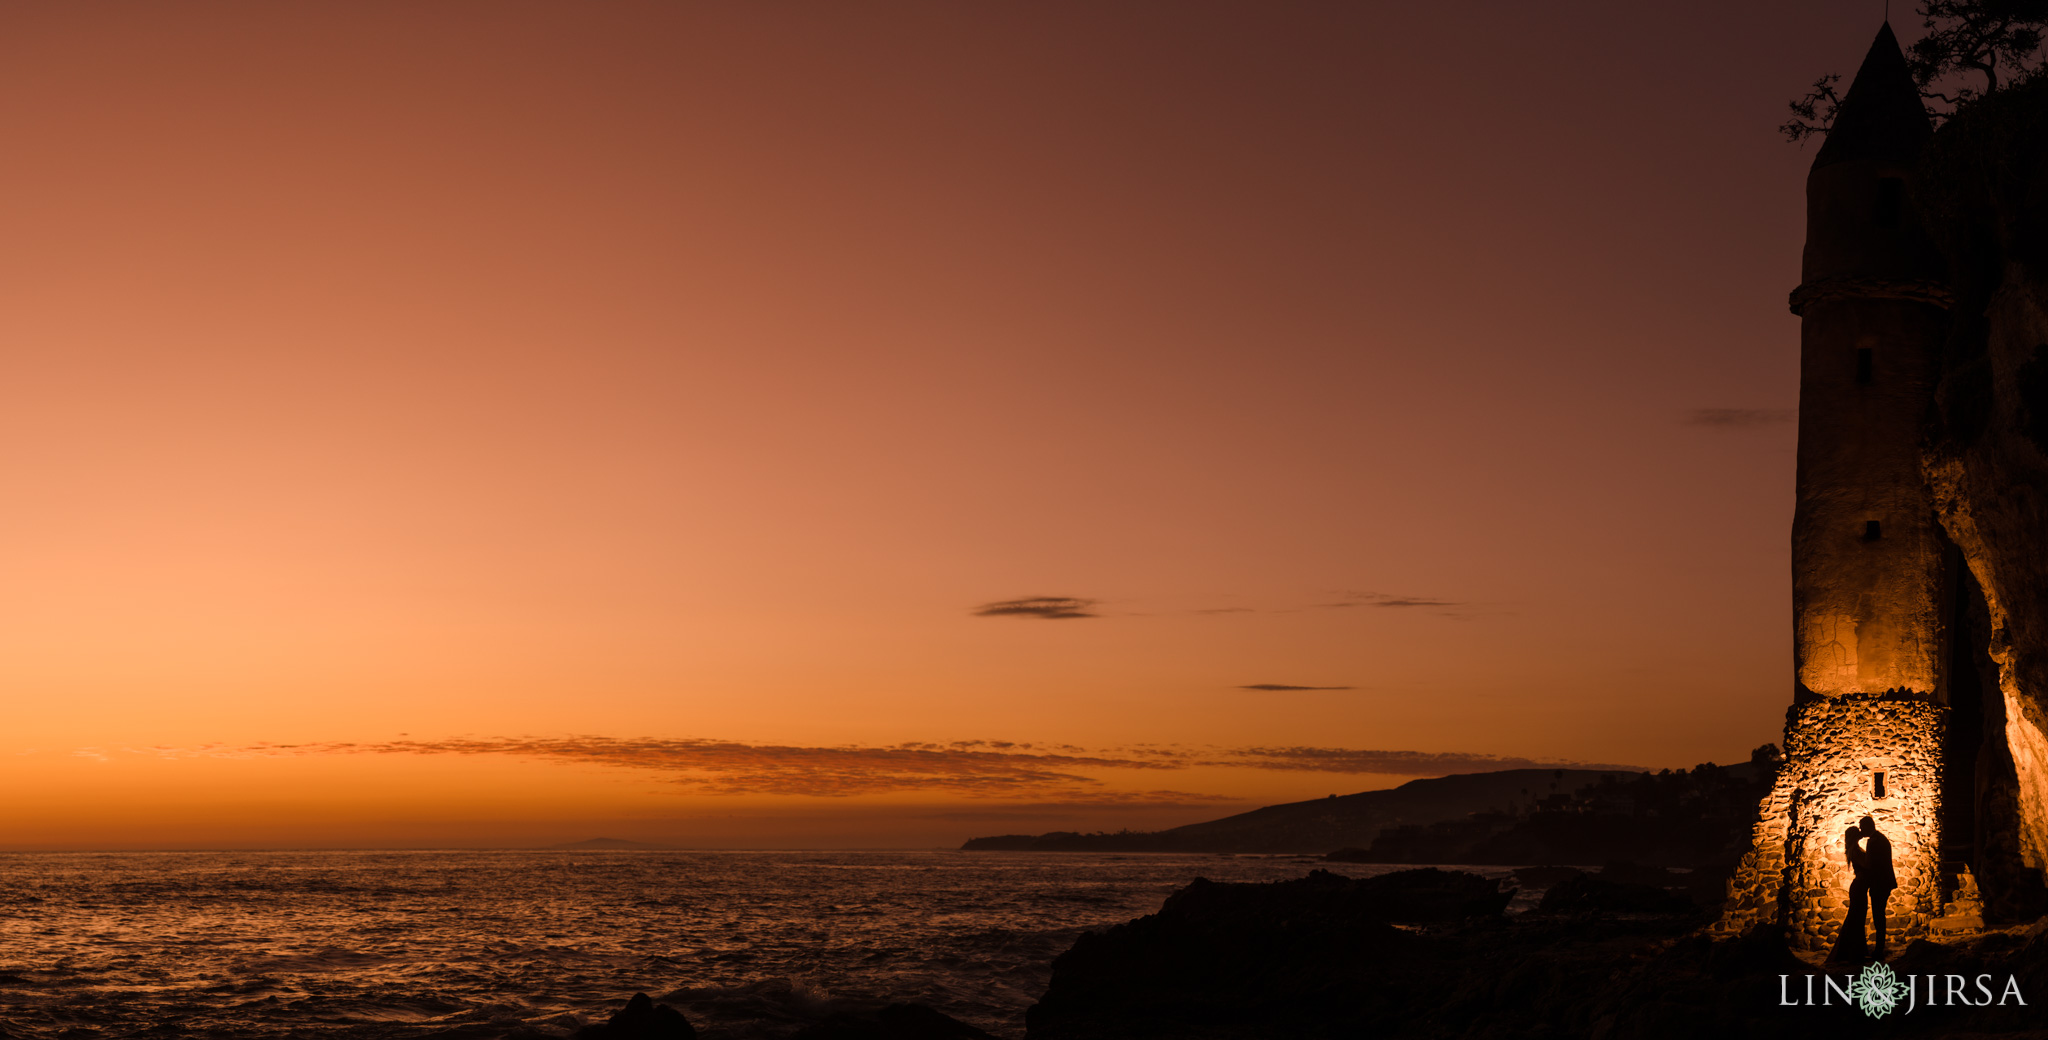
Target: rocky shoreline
[(1329, 957), (1432, 954)]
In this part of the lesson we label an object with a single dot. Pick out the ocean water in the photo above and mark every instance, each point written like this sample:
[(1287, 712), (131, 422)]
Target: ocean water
[(534, 944)]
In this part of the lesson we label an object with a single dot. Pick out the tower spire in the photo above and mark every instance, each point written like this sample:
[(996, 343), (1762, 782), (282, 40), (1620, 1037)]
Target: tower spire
[(1882, 117)]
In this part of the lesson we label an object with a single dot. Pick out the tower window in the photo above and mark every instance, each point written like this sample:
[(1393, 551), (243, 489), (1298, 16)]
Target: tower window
[(1877, 784), (1872, 531), (1863, 363), (1891, 200)]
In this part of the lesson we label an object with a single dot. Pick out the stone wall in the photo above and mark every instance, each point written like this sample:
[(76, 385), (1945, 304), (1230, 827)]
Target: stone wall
[(1797, 870), (1866, 609)]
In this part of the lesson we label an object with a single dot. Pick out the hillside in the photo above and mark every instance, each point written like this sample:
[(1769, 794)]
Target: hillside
[(1326, 824)]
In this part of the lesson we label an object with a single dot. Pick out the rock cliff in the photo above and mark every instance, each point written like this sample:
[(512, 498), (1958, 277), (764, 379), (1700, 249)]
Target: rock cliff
[(1984, 190)]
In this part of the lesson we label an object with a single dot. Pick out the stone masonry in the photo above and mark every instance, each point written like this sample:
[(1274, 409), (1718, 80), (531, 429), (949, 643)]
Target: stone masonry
[(1797, 870)]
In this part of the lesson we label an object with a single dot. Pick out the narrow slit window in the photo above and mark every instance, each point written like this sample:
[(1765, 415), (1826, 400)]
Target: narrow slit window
[(1877, 784), (1872, 530), (1891, 200), (1863, 364)]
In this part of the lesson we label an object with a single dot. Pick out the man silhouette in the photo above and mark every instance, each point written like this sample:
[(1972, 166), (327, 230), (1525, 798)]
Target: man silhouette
[(1873, 874)]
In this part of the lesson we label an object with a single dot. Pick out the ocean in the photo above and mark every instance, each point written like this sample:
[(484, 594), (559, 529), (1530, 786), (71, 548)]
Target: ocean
[(539, 943)]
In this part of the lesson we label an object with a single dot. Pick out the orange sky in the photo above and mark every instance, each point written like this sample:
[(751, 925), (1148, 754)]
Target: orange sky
[(483, 423)]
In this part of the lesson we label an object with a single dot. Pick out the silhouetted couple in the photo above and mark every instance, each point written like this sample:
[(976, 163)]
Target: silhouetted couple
[(1870, 853)]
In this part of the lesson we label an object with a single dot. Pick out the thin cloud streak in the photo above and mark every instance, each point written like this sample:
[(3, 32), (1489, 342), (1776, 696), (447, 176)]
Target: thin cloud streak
[(1455, 609), (1396, 763), (1049, 608), (1273, 686), (1739, 418), (970, 768), (1381, 599), (1149, 801), (1058, 607)]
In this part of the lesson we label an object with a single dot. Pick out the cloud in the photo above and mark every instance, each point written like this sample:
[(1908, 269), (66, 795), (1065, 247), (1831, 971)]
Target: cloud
[(973, 768), (1012, 772), (1285, 686), (1134, 801), (1454, 609), (1381, 599), (1060, 608), (1394, 763), (1050, 608), (1739, 418)]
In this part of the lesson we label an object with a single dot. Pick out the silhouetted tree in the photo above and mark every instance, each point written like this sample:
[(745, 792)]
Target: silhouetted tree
[(1767, 759), (1999, 40), (1815, 112), (1975, 36)]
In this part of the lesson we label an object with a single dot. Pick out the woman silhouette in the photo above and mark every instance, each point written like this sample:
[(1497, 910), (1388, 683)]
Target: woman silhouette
[(1875, 877), (1850, 946)]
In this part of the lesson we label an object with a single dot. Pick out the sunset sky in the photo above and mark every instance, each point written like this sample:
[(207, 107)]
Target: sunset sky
[(478, 423)]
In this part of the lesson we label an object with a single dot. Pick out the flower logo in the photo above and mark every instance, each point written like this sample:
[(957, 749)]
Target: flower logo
[(1877, 990)]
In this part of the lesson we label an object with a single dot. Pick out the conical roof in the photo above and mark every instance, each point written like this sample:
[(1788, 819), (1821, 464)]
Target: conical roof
[(1883, 116)]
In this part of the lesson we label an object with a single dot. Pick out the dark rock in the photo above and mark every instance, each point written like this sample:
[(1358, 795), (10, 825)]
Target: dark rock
[(1544, 877), (1706, 884), (1183, 976), (1314, 957), (1587, 892), (894, 1022), (642, 1019), (1428, 894), (1626, 872)]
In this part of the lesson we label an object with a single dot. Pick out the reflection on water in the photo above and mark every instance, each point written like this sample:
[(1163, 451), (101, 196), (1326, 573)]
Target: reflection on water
[(460, 944)]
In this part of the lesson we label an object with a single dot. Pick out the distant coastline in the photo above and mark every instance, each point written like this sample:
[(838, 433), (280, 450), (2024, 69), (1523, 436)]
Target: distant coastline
[(611, 843), (1516, 817)]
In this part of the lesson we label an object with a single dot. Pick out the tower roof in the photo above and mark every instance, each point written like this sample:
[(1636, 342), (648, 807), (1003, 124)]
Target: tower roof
[(1882, 117)]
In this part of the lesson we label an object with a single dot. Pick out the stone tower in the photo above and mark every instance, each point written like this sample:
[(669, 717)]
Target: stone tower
[(1871, 576)]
